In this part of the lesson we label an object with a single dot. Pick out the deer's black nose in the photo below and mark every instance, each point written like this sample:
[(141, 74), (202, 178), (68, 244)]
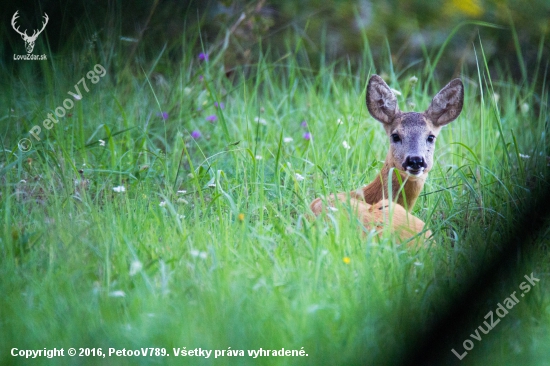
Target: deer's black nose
[(414, 163)]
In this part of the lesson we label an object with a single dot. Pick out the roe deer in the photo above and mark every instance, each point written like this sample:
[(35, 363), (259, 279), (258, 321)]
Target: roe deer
[(412, 140)]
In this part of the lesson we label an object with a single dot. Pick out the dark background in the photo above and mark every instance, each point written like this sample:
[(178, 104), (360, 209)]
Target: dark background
[(405, 31)]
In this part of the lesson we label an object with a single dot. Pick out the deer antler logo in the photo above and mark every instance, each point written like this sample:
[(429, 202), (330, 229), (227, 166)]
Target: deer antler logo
[(29, 40)]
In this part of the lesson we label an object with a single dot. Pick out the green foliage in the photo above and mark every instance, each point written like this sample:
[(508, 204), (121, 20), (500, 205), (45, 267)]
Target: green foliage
[(338, 29)]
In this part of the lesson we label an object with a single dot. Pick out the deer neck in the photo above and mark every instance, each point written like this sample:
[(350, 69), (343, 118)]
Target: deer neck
[(378, 189)]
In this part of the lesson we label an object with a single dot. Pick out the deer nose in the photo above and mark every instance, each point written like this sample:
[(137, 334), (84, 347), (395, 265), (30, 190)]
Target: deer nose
[(414, 163)]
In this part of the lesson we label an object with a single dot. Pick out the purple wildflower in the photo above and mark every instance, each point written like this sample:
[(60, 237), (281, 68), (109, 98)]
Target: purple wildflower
[(203, 56), (304, 124), (196, 134), (307, 136), (164, 115), (211, 118), (220, 105)]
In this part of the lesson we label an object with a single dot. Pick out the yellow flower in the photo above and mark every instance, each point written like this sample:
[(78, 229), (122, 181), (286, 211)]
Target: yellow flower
[(241, 217), (471, 8), (346, 260)]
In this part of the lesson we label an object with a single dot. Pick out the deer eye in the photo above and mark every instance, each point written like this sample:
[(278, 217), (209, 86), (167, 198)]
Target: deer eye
[(395, 137), (431, 138)]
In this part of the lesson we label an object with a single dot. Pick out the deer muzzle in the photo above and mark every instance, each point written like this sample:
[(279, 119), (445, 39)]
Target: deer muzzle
[(414, 165)]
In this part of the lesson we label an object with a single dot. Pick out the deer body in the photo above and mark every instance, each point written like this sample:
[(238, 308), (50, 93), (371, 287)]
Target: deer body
[(412, 141)]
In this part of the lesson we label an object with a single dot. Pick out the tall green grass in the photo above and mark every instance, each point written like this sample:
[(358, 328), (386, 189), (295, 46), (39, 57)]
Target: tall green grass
[(235, 261)]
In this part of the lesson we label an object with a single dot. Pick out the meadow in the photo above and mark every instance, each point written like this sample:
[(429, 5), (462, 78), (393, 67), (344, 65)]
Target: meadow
[(169, 208)]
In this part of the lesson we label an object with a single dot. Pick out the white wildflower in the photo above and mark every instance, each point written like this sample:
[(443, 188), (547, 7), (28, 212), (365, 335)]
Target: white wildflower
[(197, 253), (346, 145), (135, 267), (258, 157), (212, 182), (524, 108), (182, 191), (129, 39), (182, 200), (101, 143), (286, 140), (413, 80), (162, 203), (117, 293), (395, 91), (260, 121), (119, 189), (333, 209), (339, 121), (524, 156), (299, 177), (496, 97)]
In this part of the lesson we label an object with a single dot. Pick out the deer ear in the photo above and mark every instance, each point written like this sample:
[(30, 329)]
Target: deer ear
[(447, 104), (381, 102)]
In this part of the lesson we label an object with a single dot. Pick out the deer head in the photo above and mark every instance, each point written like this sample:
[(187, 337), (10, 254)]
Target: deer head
[(412, 135), (29, 40)]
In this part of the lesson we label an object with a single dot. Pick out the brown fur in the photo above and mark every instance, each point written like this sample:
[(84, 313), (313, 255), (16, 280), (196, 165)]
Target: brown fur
[(417, 133), (378, 189), (378, 216)]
